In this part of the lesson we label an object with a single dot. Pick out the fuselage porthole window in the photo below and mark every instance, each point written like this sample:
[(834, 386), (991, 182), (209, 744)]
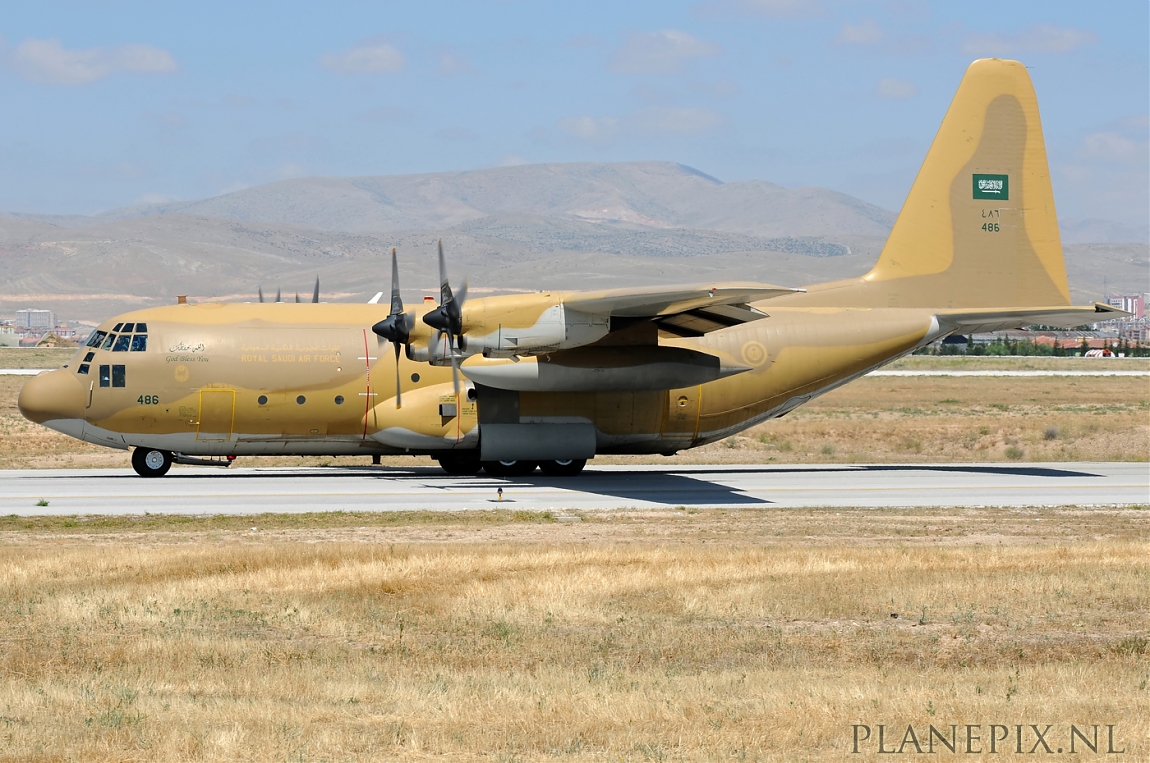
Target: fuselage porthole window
[(415, 377), (129, 328), (83, 369), (339, 399), (262, 399), (301, 400), (117, 327), (105, 376), (96, 338), (108, 342), (118, 377), (139, 343), (122, 343), (141, 328)]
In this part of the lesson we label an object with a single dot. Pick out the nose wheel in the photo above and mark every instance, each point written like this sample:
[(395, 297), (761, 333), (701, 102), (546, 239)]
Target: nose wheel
[(151, 463)]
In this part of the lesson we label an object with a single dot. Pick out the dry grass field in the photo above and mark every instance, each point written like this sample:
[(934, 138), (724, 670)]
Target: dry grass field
[(654, 636), (872, 420)]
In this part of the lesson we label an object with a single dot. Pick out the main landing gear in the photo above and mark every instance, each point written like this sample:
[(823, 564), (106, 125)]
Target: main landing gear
[(151, 463), (468, 465)]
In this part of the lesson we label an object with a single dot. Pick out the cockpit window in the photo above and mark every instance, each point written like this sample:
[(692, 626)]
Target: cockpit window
[(117, 327), (105, 376), (83, 369), (109, 342), (139, 343), (89, 356), (141, 328), (128, 328), (96, 338), (122, 343)]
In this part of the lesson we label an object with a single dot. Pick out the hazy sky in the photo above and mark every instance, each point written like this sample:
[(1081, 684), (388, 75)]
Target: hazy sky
[(107, 104)]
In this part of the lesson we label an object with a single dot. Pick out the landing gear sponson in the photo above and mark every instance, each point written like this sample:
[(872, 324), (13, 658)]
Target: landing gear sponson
[(150, 462)]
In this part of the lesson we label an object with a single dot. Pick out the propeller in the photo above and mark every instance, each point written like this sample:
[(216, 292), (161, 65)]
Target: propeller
[(261, 292), (396, 327), (448, 317), (278, 299), (297, 297), (315, 294)]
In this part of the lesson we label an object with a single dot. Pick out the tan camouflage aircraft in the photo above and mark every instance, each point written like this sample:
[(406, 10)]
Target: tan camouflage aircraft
[(551, 379)]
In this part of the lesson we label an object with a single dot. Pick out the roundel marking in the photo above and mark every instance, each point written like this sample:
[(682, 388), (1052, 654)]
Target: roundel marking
[(754, 354), (181, 373)]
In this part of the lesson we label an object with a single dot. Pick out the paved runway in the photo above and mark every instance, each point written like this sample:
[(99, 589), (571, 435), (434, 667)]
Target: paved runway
[(206, 490)]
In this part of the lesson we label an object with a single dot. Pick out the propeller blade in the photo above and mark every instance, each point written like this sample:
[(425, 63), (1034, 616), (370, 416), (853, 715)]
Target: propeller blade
[(278, 295), (297, 297), (315, 294), (444, 287), (398, 399), (396, 301), (261, 292)]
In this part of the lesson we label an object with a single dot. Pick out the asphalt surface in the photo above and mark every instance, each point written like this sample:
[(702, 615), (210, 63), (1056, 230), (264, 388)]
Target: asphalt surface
[(213, 490)]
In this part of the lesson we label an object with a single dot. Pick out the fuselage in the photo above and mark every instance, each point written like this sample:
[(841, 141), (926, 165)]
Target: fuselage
[(305, 379)]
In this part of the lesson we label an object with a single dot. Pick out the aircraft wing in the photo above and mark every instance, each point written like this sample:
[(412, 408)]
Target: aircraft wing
[(652, 302), (998, 319), (681, 310)]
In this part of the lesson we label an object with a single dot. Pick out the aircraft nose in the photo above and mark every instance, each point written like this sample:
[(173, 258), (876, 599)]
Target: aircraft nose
[(53, 395)]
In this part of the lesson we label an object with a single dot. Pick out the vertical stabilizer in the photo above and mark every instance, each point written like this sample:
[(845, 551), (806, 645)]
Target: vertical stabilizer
[(978, 228)]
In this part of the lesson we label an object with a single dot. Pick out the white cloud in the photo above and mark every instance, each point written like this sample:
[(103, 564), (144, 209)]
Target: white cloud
[(451, 65), (895, 88), (49, 62), (365, 59), (724, 88), (599, 130), (1041, 38), (457, 134), (662, 52), (768, 8), (674, 120), (1114, 147), (290, 171), (149, 199), (866, 32), (654, 120)]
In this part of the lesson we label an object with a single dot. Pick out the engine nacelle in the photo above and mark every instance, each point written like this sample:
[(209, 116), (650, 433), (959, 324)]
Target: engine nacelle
[(603, 369), (531, 332)]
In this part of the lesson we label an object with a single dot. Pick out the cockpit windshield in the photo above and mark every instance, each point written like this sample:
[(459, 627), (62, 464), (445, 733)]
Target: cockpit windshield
[(96, 338)]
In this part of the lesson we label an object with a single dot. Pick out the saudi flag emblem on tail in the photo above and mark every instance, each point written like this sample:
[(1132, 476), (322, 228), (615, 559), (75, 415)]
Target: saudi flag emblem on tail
[(992, 187)]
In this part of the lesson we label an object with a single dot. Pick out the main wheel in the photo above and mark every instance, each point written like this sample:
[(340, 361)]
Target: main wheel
[(460, 464), (509, 468), (149, 462), (567, 468)]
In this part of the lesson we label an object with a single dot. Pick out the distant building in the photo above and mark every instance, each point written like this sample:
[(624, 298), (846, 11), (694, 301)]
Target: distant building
[(1131, 303), (35, 319)]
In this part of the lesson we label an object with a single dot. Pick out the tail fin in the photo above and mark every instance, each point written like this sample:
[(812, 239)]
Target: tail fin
[(978, 228)]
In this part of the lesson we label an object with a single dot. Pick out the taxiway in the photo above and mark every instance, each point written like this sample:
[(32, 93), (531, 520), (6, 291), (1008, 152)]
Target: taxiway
[(203, 490)]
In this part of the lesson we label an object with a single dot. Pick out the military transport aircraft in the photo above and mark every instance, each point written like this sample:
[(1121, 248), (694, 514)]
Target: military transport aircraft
[(511, 383)]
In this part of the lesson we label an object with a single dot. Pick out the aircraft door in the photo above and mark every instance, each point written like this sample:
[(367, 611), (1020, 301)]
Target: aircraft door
[(217, 409), (681, 414)]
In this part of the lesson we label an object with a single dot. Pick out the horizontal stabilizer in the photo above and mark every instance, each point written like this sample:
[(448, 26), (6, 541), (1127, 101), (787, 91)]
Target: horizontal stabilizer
[(997, 319)]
